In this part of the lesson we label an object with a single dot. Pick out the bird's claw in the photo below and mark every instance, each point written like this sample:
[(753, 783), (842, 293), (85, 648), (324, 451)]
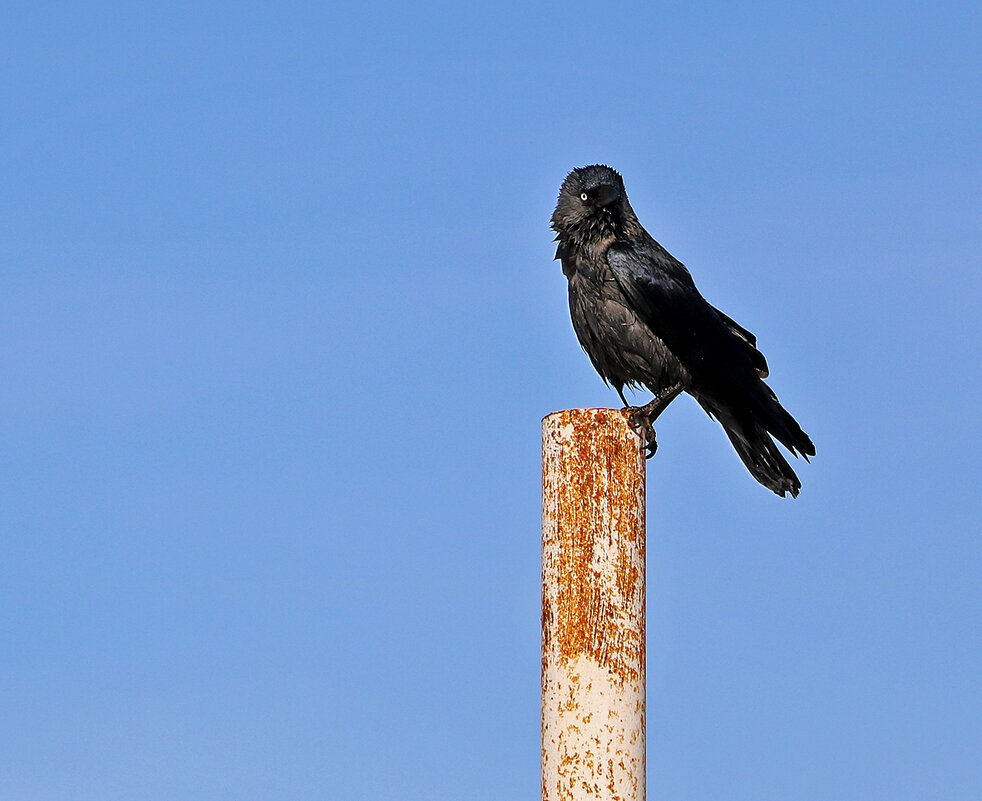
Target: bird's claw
[(640, 422)]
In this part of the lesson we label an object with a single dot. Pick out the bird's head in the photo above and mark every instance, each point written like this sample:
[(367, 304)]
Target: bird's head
[(592, 204)]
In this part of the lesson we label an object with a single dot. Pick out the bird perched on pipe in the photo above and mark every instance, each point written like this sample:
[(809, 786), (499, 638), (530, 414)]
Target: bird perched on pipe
[(639, 317)]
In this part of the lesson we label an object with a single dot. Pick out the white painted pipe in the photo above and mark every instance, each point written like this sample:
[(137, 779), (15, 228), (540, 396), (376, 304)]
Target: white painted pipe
[(593, 622)]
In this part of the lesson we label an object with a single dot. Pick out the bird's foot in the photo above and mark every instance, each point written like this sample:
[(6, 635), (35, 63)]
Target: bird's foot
[(640, 422)]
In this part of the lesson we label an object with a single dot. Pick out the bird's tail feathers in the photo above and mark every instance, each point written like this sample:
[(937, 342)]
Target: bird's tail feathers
[(758, 451), (785, 428)]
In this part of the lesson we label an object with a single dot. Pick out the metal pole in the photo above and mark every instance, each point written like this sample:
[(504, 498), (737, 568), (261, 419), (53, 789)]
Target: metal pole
[(593, 626)]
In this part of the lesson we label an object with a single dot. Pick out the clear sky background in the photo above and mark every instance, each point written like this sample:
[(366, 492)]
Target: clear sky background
[(278, 323)]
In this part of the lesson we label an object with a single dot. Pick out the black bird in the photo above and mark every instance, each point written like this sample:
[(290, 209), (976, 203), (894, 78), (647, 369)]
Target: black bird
[(643, 323)]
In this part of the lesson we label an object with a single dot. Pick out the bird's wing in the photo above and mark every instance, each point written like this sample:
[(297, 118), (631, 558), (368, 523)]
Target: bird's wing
[(718, 354), (756, 357), (715, 351)]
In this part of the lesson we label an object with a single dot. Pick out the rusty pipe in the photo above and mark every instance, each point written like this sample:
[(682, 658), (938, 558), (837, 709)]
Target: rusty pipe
[(593, 618)]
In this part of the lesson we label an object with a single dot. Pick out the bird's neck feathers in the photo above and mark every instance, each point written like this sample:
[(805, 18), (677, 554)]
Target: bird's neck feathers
[(597, 230)]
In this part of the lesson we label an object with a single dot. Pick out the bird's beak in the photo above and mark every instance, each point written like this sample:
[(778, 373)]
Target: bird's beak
[(607, 195)]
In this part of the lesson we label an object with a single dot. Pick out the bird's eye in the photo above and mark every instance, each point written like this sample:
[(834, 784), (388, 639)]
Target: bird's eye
[(583, 196)]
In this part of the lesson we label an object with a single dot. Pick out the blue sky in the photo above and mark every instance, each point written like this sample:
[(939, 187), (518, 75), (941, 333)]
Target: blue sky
[(279, 320)]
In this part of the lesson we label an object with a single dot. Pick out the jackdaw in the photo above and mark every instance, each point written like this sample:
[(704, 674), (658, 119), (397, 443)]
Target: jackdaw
[(643, 323)]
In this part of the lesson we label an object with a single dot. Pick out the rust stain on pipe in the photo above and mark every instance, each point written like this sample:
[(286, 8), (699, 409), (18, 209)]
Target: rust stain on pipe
[(593, 627)]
